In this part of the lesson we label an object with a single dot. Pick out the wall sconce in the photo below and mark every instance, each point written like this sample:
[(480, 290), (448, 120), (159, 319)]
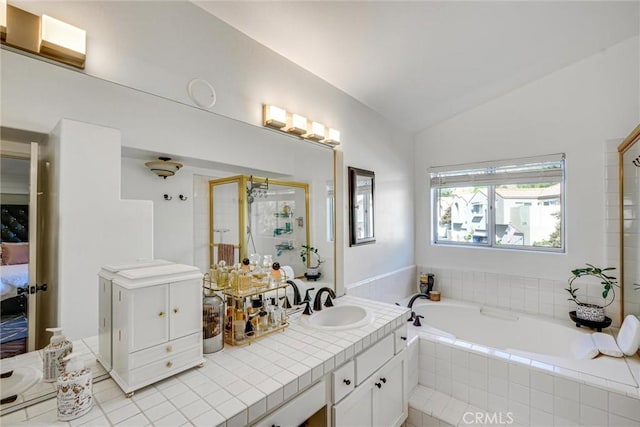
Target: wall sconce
[(44, 36), (164, 167), (284, 121)]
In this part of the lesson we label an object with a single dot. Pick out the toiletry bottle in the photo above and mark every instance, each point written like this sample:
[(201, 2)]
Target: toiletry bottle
[(53, 355), (74, 389)]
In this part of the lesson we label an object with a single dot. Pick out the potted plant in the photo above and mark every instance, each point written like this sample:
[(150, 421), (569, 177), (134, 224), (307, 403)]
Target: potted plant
[(593, 312), (312, 260)]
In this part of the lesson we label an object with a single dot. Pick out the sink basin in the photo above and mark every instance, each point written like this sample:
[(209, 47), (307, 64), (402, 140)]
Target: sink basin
[(339, 317), (20, 381)]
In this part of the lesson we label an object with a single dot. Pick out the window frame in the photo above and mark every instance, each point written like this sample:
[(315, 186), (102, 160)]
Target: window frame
[(490, 182)]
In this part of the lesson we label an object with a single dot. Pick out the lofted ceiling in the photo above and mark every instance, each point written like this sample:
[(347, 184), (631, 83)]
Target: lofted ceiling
[(420, 62)]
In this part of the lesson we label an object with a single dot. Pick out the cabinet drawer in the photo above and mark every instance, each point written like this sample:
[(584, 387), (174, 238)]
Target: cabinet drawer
[(158, 352), (343, 381), (164, 367), (401, 338), (372, 359)]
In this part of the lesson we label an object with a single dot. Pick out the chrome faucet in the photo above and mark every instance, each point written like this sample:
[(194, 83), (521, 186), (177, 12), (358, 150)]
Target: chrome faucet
[(317, 302), (297, 299)]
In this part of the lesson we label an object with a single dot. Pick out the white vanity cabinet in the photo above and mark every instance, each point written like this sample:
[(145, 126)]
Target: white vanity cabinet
[(380, 398), (157, 318)]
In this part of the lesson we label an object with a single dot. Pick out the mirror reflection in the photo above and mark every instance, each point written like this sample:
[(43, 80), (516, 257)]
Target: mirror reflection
[(180, 225)]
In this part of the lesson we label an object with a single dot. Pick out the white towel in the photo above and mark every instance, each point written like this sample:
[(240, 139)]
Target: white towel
[(288, 271), (606, 344), (584, 348), (629, 335)]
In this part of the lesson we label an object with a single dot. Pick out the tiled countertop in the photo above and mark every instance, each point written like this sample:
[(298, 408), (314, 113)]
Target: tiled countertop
[(237, 385)]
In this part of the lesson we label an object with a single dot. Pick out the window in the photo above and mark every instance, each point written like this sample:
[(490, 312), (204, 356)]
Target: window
[(516, 204)]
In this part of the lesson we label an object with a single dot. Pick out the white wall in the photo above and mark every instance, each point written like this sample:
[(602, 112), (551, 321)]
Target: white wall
[(245, 74), (95, 227), (574, 110)]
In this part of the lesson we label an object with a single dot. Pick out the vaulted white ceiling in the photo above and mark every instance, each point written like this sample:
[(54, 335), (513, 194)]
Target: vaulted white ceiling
[(418, 63)]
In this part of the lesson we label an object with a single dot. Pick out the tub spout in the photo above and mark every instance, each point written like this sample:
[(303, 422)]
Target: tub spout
[(415, 297)]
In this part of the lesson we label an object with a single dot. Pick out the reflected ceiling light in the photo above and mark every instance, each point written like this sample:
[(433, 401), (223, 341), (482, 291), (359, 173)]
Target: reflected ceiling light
[(63, 42), (274, 117), (333, 138), (317, 132), (163, 167), (297, 124)]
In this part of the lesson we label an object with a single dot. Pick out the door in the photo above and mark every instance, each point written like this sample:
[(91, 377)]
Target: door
[(185, 299), (354, 410), (389, 398), (33, 239), (148, 311)]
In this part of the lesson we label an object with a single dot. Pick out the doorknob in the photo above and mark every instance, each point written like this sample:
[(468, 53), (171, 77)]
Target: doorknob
[(36, 288)]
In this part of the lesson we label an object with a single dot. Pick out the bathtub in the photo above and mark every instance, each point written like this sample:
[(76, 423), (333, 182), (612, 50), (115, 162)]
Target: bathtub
[(546, 344)]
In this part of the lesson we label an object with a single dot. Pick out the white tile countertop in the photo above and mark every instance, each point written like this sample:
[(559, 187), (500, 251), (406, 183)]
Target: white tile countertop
[(237, 385)]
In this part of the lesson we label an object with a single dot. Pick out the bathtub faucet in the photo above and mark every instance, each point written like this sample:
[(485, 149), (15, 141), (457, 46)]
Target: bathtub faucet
[(410, 305)]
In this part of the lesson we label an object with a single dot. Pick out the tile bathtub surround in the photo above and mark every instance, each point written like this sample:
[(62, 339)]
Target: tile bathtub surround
[(394, 286), (534, 393), (518, 293), (237, 385)]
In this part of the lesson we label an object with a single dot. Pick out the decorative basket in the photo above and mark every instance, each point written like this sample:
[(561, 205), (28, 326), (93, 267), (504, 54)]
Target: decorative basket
[(591, 312)]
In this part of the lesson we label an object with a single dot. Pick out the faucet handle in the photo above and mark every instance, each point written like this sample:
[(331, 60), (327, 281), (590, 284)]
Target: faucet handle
[(285, 303), (417, 321), (307, 310), (412, 317), (307, 297), (328, 302)]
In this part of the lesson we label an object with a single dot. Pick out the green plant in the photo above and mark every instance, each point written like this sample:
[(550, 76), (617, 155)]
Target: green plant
[(307, 252), (608, 282)]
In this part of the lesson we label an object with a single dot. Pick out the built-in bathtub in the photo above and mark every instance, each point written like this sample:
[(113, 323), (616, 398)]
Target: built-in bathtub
[(501, 360)]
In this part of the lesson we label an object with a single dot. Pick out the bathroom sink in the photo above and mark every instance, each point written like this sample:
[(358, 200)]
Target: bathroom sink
[(19, 381), (339, 317)]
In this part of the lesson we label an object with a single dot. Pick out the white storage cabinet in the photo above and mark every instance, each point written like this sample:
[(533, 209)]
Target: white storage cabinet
[(380, 397), (157, 324)]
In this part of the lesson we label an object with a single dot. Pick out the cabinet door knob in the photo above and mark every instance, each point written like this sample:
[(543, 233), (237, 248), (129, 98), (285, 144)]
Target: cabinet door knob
[(403, 338), (378, 385), (176, 310), (169, 364), (161, 314), (169, 349), (347, 382)]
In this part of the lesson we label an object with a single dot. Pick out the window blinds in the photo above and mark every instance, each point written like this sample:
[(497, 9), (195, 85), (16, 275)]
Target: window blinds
[(530, 170)]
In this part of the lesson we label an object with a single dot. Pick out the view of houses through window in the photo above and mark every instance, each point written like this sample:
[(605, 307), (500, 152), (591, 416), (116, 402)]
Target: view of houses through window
[(519, 206)]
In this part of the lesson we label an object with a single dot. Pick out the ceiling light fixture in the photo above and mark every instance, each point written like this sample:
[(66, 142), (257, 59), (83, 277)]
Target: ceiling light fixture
[(296, 124), (164, 167)]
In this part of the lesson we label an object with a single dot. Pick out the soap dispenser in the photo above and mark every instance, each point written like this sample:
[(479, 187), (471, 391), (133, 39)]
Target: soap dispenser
[(53, 355), (74, 389)]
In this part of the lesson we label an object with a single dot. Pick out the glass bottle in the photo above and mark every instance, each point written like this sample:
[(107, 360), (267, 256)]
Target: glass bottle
[(212, 321)]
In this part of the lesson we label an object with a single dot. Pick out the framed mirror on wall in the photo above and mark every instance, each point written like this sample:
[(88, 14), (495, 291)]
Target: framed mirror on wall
[(629, 161), (361, 206)]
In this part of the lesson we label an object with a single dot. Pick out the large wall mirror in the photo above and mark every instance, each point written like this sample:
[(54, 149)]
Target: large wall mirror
[(361, 206), (629, 161), (209, 145)]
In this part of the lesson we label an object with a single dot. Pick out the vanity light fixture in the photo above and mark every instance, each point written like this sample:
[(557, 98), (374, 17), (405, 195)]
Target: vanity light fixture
[(164, 167), (333, 138), (317, 132), (63, 42), (44, 36), (3, 20), (274, 117), (296, 124)]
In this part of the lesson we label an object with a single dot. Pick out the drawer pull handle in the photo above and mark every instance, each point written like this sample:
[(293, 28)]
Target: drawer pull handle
[(378, 385), (176, 310), (161, 314), (347, 382), (403, 338), (384, 380), (169, 364), (169, 349)]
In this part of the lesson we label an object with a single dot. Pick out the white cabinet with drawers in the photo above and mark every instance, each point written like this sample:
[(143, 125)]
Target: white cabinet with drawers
[(156, 317)]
